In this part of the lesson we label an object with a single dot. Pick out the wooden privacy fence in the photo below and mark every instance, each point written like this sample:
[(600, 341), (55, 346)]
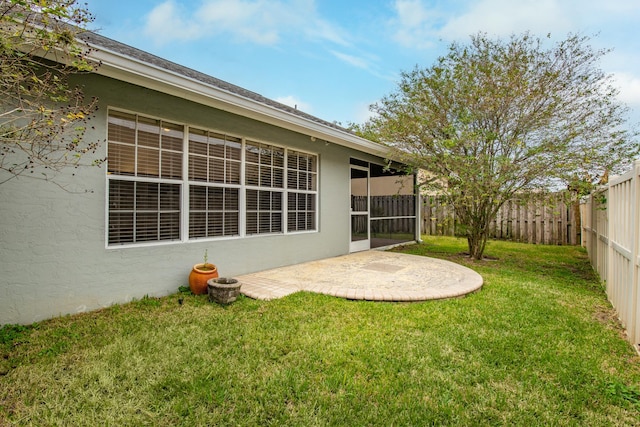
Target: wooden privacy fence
[(549, 220), (389, 214), (393, 206), (611, 224)]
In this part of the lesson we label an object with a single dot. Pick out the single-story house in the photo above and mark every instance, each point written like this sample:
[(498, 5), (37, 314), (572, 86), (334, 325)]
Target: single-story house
[(194, 164)]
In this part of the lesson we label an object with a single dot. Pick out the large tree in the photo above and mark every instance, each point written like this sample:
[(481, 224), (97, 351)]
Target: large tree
[(496, 117), (43, 116)]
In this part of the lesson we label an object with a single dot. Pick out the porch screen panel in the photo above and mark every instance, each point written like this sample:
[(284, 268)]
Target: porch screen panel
[(392, 207)]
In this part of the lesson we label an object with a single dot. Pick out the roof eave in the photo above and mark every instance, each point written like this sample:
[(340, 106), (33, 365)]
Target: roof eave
[(135, 71)]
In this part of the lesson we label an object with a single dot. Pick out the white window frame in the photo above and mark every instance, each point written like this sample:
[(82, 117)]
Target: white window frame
[(185, 185), (306, 191), (210, 184)]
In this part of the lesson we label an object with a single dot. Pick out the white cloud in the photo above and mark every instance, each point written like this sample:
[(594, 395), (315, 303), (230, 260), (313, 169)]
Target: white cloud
[(363, 113), (252, 21), (412, 13), (505, 17), (629, 86), (265, 22), (294, 102), (367, 62), (611, 6), (351, 60), (323, 30), (165, 23), (414, 24), (421, 23)]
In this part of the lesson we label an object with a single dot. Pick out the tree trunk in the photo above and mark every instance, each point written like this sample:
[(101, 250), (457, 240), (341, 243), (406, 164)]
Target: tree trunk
[(475, 216), (477, 241)]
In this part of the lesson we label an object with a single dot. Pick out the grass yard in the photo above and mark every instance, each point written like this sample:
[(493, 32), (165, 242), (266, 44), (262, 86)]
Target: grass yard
[(539, 345)]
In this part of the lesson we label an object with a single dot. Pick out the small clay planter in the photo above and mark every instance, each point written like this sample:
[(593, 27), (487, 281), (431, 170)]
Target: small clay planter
[(199, 276), (223, 290)]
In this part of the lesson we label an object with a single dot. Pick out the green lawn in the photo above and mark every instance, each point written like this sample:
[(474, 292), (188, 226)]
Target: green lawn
[(538, 345)]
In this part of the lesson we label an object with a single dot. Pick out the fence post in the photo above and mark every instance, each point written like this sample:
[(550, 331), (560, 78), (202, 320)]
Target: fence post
[(634, 330)]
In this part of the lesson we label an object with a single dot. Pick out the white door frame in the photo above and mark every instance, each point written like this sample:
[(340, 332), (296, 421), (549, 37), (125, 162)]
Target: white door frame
[(360, 244)]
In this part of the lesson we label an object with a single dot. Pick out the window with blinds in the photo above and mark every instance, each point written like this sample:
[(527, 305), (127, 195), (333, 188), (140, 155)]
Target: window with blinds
[(213, 157), (144, 155), (264, 168), (214, 184), (225, 187), (213, 211), (264, 165), (264, 212), (302, 183)]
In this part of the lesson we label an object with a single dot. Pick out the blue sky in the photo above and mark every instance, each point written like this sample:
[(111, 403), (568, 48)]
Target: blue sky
[(333, 58)]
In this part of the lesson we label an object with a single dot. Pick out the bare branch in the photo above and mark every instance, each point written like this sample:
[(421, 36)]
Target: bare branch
[(44, 118)]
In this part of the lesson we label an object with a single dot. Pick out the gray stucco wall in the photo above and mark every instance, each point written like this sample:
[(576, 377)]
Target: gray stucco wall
[(53, 259)]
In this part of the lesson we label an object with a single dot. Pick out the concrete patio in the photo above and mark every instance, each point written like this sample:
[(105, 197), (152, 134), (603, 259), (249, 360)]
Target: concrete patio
[(370, 275)]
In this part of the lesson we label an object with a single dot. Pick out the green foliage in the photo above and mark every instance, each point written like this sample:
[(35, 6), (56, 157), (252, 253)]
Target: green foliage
[(44, 117), (148, 301), (496, 118), (60, 341), (601, 200), (624, 392), (11, 333), (365, 130)]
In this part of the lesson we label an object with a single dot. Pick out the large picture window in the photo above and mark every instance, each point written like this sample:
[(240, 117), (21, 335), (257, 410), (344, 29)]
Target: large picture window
[(171, 182)]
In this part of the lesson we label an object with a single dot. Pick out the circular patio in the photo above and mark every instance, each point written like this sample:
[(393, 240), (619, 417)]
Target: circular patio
[(369, 275)]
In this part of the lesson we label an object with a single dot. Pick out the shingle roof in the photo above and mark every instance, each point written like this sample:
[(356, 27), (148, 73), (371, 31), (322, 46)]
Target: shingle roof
[(99, 41)]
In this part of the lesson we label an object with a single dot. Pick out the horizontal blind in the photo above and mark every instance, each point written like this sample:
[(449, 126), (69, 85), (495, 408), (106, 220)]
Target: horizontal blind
[(214, 157), (264, 168), (264, 211), (264, 165), (213, 211), (143, 211), (144, 147)]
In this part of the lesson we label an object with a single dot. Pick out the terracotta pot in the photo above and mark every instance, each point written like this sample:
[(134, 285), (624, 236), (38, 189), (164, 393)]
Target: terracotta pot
[(199, 276), (223, 290)]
